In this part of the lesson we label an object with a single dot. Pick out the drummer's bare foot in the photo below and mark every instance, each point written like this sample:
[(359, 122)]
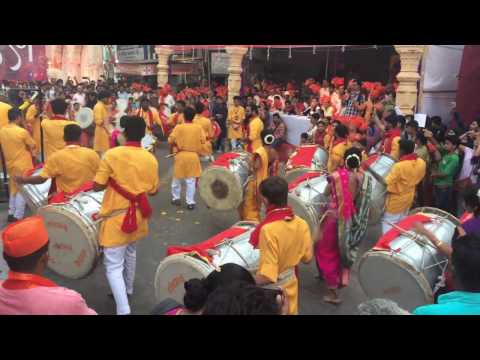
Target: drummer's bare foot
[(176, 202)]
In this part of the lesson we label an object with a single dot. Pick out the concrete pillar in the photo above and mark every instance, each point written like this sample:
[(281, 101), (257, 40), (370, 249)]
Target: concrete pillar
[(234, 71), (163, 54), (407, 92)]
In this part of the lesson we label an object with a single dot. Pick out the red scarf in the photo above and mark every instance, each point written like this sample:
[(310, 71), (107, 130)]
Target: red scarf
[(133, 143), (150, 117), (62, 196), (273, 214), (58, 117), (388, 139), (412, 156), (129, 224), (21, 281)]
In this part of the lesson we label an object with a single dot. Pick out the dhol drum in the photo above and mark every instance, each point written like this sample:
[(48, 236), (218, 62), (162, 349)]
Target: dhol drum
[(148, 142), (36, 196), (176, 269), (307, 198), (377, 168), (408, 268), (222, 184), (306, 159), (84, 117), (73, 230)]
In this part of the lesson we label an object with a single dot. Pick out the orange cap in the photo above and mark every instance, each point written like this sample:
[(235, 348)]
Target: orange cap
[(24, 237)]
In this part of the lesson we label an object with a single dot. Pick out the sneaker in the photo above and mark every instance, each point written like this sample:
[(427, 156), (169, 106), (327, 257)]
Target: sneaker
[(191, 206), (176, 202)]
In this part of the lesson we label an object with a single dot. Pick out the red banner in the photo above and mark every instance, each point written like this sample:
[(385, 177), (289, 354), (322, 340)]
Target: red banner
[(23, 62)]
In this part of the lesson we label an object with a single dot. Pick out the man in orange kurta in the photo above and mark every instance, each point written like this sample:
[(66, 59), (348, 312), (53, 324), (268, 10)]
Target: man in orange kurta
[(18, 148), (284, 242), (255, 128), (189, 140), (101, 117), (127, 174), (206, 124), (235, 119), (33, 120), (337, 149)]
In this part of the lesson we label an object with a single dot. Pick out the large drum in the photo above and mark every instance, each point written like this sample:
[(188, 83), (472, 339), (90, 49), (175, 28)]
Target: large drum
[(36, 196), (176, 269), (222, 184), (72, 230), (84, 117), (148, 142), (407, 268), (307, 198), (377, 167), (305, 159)]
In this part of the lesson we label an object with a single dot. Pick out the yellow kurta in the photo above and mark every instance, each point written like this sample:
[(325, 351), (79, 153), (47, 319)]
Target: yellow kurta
[(71, 167), (401, 184), (4, 107), (395, 152), (53, 135), (283, 245), (155, 118), (135, 170), (207, 127), (190, 141), (34, 122), (175, 119), (335, 156), (101, 141), (249, 210), (236, 116), (255, 129), (17, 145)]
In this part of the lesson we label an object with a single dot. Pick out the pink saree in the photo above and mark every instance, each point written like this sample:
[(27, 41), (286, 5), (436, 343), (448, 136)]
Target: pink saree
[(341, 210)]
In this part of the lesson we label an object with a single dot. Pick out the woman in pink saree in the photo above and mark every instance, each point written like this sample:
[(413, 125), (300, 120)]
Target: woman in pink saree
[(344, 224)]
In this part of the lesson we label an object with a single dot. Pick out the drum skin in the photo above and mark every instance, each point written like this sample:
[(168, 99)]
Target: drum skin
[(174, 270), (407, 274), (222, 188), (35, 196), (319, 162), (291, 175)]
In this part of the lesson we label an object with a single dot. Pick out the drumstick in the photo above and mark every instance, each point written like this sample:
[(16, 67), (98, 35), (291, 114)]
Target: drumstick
[(170, 155), (415, 237)]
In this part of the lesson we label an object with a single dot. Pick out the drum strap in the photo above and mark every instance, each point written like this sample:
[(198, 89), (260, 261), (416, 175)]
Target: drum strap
[(283, 279)]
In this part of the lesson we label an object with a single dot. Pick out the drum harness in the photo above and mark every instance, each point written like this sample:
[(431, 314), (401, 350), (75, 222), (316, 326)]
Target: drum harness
[(425, 243), (320, 203)]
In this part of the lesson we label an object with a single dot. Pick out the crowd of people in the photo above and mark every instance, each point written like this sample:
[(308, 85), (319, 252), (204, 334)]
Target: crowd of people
[(436, 165)]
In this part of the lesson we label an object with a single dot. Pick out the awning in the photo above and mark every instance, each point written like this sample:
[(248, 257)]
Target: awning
[(137, 69)]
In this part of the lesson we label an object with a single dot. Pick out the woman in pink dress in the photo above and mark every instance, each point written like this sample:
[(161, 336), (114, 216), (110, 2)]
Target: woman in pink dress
[(344, 220)]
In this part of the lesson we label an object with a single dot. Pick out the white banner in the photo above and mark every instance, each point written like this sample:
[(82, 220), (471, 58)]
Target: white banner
[(296, 125), (441, 68), (220, 63)]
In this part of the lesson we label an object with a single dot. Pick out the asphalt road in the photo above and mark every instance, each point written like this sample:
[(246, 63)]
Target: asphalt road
[(178, 226)]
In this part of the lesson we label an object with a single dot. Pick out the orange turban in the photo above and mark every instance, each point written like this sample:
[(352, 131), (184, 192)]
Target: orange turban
[(24, 237)]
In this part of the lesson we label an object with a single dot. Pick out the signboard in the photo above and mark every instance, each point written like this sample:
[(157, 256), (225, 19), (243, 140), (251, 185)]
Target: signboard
[(137, 69), (220, 63), (131, 53), (296, 125), (23, 62)]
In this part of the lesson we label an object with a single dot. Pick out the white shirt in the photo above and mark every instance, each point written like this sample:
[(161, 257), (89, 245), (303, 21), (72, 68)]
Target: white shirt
[(169, 100), (79, 98), (123, 95), (467, 167)]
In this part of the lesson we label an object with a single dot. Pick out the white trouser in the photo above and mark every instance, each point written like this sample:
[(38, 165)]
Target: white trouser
[(120, 262), (190, 193), (393, 218), (16, 206)]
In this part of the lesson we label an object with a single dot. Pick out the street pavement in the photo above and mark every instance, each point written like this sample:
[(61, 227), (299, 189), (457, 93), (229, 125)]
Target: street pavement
[(171, 225)]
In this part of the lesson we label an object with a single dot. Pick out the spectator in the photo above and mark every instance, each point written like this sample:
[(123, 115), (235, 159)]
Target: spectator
[(279, 128), (220, 113)]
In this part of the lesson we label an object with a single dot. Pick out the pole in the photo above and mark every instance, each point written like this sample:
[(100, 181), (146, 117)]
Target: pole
[(4, 167), (326, 66)]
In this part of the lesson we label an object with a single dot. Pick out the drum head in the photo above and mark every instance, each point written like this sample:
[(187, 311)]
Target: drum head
[(377, 201), (435, 211), (220, 189), (291, 175), (174, 271), (73, 249), (384, 276), (84, 117), (301, 210)]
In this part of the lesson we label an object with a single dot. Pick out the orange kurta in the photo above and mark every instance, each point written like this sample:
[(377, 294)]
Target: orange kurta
[(255, 128), (283, 245), (335, 156), (4, 107), (34, 122), (206, 125), (53, 134), (71, 167), (235, 118), (101, 141), (17, 146), (136, 170)]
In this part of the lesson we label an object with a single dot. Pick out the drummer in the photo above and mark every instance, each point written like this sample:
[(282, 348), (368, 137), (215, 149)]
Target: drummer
[(127, 174), (70, 167), (206, 124), (338, 147), (18, 148), (101, 141), (26, 291), (177, 116), (249, 210), (401, 184), (284, 241), (149, 114), (53, 128), (190, 140)]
